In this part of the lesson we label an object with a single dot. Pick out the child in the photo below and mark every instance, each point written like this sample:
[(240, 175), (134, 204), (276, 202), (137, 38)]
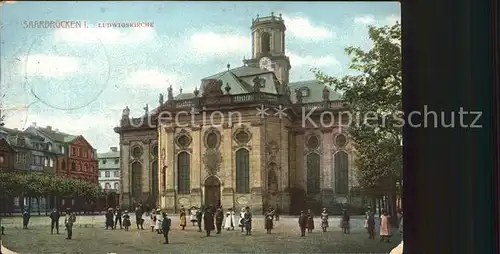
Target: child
[(126, 220), (153, 221), (158, 222)]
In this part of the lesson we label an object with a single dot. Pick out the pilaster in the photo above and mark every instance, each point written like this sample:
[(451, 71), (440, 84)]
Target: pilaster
[(170, 171)]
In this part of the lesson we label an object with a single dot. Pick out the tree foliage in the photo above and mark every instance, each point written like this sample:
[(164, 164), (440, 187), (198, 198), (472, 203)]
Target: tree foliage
[(373, 94), (41, 184)]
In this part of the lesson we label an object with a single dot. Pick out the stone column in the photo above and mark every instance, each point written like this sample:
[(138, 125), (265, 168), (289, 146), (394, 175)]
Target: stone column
[(227, 170), (196, 166), (146, 169), (327, 194), (170, 197), (161, 164), (125, 173), (256, 167), (284, 171)]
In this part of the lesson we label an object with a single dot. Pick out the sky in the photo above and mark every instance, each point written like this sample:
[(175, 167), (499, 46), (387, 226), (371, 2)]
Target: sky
[(80, 80)]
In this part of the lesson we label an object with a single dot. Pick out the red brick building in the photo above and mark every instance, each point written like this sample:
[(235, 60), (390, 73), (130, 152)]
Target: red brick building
[(7, 156), (81, 161)]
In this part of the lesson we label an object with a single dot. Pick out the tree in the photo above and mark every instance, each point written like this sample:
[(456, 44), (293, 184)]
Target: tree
[(374, 98)]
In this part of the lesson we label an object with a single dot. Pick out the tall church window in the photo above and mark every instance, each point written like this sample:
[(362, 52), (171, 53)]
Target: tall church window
[(265, 42), (341, 160), (154, 178), (313, 173), (242, 171), (136, 180), (183, 171)]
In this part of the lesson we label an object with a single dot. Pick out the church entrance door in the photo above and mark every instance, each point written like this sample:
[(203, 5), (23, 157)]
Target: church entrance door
[(212, 191)]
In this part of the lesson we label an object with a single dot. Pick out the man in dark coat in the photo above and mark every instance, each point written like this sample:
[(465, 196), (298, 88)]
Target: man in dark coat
[(219, 217), (199, 217), (26, 219), (302, 223), (268, 217), (138, 217), (54, 221), (208, 221), (165, 227), (118, 217)]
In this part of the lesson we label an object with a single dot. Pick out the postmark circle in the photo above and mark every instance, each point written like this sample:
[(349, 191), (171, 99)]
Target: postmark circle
[(59, 92)]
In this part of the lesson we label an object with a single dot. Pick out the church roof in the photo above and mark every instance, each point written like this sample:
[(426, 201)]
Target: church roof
[(242, 71), (315, 91)]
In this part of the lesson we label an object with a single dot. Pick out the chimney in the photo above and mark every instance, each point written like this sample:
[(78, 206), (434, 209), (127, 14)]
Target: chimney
[(49, 127), (114, 149), (56, 130), (33, 124)]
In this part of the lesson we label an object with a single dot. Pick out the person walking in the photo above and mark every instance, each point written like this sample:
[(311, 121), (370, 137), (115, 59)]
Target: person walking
[(68, 222), (165, 226), (248, 221), (54, 221), (109, 218), (138, 217), (385, 227), (219, 218), (118, 217), (192, 215), (208, 219), (268, 217), (152, 220), (199, 217), (324, 220), (302, 223), (346, 222), (310, 221), (183, 218), (371, 225), (126, 220), (242, 219), (26, 219), (367, 214)]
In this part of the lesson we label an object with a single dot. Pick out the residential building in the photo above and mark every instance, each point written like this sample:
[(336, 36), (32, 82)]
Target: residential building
[(299, 157), (109, 175), (7, 156)]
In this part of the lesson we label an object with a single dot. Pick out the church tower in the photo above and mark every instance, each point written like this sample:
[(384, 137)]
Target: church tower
[(268, 47)]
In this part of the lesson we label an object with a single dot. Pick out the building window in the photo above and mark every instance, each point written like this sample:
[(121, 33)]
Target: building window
[(136, 180), (341, 160), (155, 151), (73, 166), (21, 157), (73, 151), (100, 174), (49, 146), (117, 173), (341, 140), (117, 161), (137, 152), (103, 161), (154, 178), (51, 162), (117, 186), (107, 174), (2, 159), (46, 161), (242, 171), (265, 42), (313, 142), (212, 140), (313, 173), (21, 142), (61, 148), (183, 170), (107, 186)]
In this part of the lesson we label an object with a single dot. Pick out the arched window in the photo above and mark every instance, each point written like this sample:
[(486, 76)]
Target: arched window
[(242, 171), (341, 173), (117, 186), (265, 42), (73, 166), (154, 178), (183, 170), (313, 173), (107, 186), (136, 180)]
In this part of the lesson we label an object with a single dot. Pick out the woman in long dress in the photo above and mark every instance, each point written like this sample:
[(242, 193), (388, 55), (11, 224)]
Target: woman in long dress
[(242, 219), (192, 215), (152, 220), (324, 220), (183, 218), (310, 221), (367, 215), (385, 228), (158, 222), (227, 221)]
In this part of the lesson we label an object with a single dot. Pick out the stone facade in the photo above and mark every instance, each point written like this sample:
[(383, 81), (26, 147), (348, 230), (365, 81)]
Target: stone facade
[(215, 147)]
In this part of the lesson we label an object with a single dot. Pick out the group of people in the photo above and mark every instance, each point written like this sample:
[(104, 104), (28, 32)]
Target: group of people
[(385, 225), (69, 221)]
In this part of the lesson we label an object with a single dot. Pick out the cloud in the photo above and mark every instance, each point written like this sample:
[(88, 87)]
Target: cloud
[(49, 65), (124, 36), (365, 20), (153, 79), (214, 44), (322, 61), (302, 28)]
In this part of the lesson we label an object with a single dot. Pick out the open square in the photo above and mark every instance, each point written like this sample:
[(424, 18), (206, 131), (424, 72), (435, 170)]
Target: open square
[(91, 237)]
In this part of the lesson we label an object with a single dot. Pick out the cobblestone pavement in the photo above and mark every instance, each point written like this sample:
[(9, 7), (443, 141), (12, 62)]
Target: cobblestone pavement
[(91, 237)]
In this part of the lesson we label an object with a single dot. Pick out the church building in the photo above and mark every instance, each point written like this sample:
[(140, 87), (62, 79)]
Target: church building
[(247, 136)]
